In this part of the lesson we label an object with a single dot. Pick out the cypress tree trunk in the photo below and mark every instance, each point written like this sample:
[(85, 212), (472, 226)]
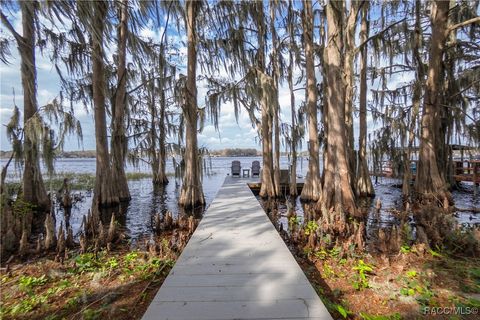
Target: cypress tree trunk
[(160, 176), (162, 154), (276, 111), (311, 189), (430, 183), (293, 147), (267, 188), (364, 183), (351, 27), (337, 190), (119, 141), (104, 193), (416, 96), (191, 194), (34, 191), (152, 135)]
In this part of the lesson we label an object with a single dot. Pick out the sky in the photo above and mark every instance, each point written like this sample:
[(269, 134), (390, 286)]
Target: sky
[(230, 134)]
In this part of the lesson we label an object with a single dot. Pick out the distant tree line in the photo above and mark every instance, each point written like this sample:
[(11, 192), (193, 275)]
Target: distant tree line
[(236, 152)]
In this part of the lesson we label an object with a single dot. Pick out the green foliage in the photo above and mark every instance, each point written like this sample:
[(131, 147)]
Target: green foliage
[(468, 303), (294, 221), (323, 254), (27, 283), (112, 263), (335, 307), (26, 305), (435, 253), (366, 316), (327, 271), (363, 269), (77, 181), (344, 312), (311, 227), (22, 207), (137, 175), (414, 285), (411, 274), (130, 257), (335, 252), (86, 262), (90, 314), (405, 249)]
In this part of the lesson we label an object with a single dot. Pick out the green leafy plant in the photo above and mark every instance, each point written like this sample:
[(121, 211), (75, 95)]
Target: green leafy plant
[(363, 269), (366, 316), (321, 254), (435, 253), (415, 286), (334, 252), (405, 249), (311, 227), (86, 263), (112, 263), (327, 270), (27, 305), (27, 283), (131, 257), (411, 274), (294, 221), (344, 312)]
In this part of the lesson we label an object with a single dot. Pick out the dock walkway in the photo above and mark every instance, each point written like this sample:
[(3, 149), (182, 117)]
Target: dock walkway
[(236, 266)]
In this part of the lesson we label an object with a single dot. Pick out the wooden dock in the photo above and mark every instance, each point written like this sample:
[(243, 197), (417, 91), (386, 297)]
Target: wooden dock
[(236, 266), (463, 170)]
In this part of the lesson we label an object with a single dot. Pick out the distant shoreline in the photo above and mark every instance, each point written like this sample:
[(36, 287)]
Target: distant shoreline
[(228, 153)]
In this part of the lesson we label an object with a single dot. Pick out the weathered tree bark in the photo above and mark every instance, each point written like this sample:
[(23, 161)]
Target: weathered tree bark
[(293, 148), (416, 97), (430, 183), (267, 188), (323, 105), (276, 110), (191, 193), (350, 30), (312, 188), (161, 177), (364, 183), (34, 191), (104, 193), (152, 135), (337, 191), (119, 141)]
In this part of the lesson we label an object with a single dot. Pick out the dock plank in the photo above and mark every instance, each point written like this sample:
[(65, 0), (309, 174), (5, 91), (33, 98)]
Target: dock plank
[(236, 266)]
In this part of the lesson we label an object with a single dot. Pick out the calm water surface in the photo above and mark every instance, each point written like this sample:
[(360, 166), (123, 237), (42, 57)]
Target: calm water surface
[(146, 201)]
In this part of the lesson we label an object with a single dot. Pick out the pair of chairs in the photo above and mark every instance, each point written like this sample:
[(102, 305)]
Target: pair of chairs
[(237, 168)]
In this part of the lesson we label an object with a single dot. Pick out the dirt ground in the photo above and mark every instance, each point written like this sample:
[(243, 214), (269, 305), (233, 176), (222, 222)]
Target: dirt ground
[(107, 285), (415, 284)]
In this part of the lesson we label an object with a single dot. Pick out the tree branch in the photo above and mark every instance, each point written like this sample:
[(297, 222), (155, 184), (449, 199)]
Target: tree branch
[(378, 34), (463, 24), (10, 28)]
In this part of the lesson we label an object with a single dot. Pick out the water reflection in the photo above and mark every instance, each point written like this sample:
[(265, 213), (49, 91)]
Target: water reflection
[(390, 195)]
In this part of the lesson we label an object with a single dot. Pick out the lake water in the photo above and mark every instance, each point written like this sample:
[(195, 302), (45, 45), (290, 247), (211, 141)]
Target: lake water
[(146, 201)]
